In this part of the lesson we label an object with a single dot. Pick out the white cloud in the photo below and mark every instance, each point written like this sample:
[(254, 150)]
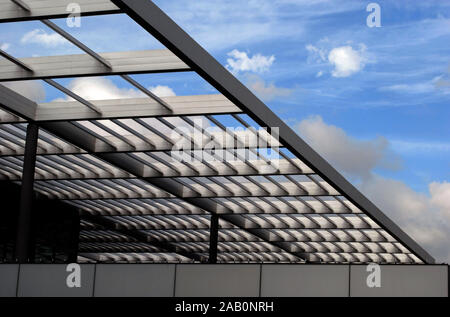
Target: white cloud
[(228, 24), (31, 89), (346, 60), (442, 83), (410, 88), (162, 91), (417, 88), (4, 46), (440, 197), (241, 62), (100, 88), (39, 36), (266, 91), (354, 157), (319, 54), (424, 216), (411, 147)]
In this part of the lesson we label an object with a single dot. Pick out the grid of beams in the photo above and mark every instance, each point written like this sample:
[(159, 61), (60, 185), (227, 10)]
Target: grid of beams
[(148, 174)]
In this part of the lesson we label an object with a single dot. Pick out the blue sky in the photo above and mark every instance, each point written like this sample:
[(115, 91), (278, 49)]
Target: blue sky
[(373, 101), (392, 96)]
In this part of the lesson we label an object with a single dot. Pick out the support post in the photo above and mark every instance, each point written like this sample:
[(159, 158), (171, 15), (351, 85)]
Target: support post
[(26, 195), (213, 237)]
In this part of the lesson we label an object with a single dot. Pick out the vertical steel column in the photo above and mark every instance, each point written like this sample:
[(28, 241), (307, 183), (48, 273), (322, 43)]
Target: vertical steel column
[(74, 237), (26, 195), (213, 237)]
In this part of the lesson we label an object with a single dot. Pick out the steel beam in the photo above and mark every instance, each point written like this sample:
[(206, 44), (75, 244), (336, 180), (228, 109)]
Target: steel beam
[(22, 4), (24, 223), (136, 108), (77, 65), (213, 238), (147, 92), (200, 192), (17, 104), (75, 42), (121, 108), (16, 61), (73, 95)]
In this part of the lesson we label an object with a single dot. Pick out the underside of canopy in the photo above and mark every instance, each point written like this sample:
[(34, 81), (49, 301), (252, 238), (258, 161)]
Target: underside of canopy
[(201, 178)]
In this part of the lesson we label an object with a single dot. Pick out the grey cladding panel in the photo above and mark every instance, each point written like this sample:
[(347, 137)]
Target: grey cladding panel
[(304, 280), (211, 280), (8, 279), (134, 280)]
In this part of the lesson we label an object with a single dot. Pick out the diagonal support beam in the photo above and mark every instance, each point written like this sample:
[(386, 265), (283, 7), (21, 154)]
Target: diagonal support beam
[(73, 95), (16, 61), (22, 4), (77, 43), (147, 92)]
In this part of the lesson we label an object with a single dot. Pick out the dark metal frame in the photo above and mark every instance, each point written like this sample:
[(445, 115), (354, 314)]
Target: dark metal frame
[(158, 24)]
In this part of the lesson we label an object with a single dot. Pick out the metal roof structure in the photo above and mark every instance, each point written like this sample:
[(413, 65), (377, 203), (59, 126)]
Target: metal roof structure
[(224, 202)]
